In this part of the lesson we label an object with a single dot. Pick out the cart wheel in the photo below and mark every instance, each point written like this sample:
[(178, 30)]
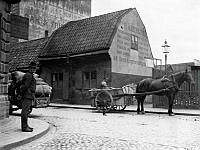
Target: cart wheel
[(119, 107), (103, 101)]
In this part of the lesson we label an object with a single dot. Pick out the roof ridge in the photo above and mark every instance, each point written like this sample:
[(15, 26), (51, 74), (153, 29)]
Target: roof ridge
[(89, 18), (84, 35), (117, 24)]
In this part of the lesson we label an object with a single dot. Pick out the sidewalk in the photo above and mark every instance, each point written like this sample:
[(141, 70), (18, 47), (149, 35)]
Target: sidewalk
[(11, 135)]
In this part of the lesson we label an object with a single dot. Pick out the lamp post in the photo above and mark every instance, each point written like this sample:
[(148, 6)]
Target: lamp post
[(165, 51)]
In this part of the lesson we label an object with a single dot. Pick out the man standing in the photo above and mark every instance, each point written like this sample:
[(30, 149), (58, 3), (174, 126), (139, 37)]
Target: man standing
[(27, 91)]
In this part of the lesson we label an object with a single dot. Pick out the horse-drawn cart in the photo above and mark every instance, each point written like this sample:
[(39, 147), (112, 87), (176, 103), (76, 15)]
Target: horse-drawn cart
[(112, 98), (116, 98)]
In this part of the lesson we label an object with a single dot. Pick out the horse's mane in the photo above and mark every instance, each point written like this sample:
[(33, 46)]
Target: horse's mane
[(178, 77)]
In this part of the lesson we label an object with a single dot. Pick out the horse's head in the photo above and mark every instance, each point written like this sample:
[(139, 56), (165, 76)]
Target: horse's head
[(188, 77)]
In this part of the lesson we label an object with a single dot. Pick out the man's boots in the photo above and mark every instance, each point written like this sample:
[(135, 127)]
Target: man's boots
[(24, 125)]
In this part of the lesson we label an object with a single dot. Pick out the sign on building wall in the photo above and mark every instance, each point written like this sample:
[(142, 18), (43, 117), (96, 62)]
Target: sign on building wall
[(196, 62), (52, 14), (130, 47), (19, 27)]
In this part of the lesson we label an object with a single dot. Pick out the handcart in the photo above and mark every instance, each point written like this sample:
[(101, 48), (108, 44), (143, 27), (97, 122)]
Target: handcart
[(42, 95)]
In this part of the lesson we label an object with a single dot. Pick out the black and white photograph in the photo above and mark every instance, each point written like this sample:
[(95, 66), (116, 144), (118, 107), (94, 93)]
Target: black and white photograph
[(99, 75)]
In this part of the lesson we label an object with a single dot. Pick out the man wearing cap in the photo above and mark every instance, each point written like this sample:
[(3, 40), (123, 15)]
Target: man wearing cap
[(27, 91)]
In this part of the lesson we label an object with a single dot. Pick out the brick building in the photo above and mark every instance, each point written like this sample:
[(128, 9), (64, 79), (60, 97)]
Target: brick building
[(5, 30), (50, 14)]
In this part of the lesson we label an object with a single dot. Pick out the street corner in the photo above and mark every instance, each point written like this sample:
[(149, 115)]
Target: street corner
[(12, 136)]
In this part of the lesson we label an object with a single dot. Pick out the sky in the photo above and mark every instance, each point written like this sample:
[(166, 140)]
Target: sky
[(177, 21)]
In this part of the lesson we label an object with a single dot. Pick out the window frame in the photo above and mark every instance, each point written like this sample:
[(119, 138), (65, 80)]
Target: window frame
[(134, 42)]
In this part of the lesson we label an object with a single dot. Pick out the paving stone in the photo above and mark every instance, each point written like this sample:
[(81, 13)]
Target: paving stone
[(84, 129)]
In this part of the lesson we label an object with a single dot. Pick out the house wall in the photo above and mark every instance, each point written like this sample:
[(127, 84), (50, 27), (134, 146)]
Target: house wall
[(122, 64), (125, 59), (51, 14), (119, 79), (4, 52), (73, 89), (129, 63), (177, 67), (99, 63), (60, 85)]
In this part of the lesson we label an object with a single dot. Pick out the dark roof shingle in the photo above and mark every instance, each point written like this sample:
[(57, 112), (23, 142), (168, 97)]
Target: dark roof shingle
[(21, 54), (84, 35)]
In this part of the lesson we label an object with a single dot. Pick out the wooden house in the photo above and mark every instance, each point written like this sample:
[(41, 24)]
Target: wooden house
[(80, 54)]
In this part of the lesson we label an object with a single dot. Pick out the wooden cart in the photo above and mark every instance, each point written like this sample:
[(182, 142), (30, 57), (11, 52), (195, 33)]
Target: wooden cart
[(42, 95), (112, 98), (116, 98)]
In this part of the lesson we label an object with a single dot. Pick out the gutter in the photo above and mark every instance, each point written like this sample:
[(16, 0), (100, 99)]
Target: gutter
[(75, 55), (54, 58), (91, 53)]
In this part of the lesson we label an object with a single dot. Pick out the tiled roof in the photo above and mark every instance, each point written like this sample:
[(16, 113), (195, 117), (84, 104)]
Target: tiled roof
[(86, 35), (21, 54)]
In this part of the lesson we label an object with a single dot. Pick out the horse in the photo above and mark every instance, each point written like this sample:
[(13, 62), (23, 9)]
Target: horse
[(171, 83)]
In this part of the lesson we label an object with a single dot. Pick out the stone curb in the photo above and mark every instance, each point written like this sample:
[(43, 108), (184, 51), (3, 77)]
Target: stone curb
[(24, 141)]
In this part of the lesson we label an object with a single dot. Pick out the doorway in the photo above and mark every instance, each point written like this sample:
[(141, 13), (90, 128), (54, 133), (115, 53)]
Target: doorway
[(57, 84)]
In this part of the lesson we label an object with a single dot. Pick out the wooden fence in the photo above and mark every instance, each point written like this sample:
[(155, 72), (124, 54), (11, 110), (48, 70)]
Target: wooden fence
[(188, 97)]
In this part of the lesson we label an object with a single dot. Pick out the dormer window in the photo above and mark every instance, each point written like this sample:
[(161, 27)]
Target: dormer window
[(134, 42)]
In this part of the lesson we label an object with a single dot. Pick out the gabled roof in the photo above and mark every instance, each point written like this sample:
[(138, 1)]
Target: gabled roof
[(86, 35), (21, 54)]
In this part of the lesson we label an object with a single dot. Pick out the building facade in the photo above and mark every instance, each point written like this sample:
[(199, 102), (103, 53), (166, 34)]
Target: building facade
[(50, 14), (80, 54), (5, 30), (113, 46), (129, 50)]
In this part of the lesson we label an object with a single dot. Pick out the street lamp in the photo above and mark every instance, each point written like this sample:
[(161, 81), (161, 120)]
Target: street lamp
[(165, 51)]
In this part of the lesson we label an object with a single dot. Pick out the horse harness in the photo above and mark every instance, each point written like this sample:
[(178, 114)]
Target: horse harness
[(166, 80)]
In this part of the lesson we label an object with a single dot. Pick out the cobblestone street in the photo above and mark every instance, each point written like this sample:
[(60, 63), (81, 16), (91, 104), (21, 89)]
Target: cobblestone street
[(86, 129)]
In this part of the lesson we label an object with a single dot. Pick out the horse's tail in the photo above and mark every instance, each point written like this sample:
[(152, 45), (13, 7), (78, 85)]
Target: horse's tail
[(141, 87), (137, 90)]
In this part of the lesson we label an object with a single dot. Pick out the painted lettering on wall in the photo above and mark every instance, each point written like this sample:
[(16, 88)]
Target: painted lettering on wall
[(130, 46), (125, 31), (51, 14), (124, 53), (123, 47)]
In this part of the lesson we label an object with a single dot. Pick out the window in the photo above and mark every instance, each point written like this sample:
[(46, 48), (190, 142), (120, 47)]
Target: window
[(134, 42), (89, 79)]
